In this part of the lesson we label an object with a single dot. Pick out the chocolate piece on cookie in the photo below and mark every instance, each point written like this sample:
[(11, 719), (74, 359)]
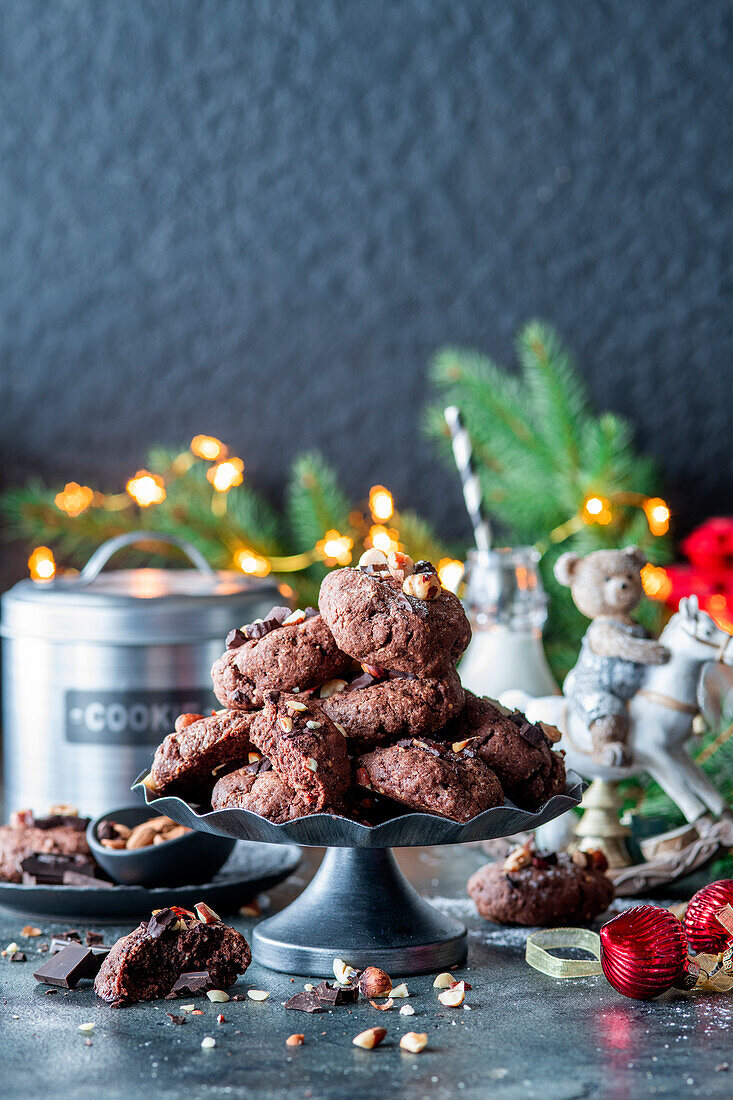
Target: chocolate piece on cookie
[(377, 623), (426, 775), (276, 656), (305, 747), (192, 753), (535, 888), (24, 836), (517, 750), (383, 711), (259, 788), (148, 962)]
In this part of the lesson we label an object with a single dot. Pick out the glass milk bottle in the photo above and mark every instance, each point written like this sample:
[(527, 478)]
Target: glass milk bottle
[(507, 606)]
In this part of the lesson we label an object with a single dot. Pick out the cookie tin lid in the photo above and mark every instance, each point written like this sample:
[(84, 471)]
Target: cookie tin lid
[(137, 606)]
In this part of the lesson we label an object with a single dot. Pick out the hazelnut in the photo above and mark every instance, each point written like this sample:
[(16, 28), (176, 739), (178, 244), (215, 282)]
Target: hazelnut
[(374, 982), (343, 972), (253, 757), (458, 746), (516, 860), (331, 687), (295, 1040), (373, 557), (295, 705), (217, 996), (311, 725), (452, 998), (400, 565), (399, 991), (423, 586), (600, 863), (552, 733), (370, 1038), (184, 720), (286, 724), (582, 859), (311, 764), (296, 616), (407, 1010), (414, 1041), (206, 914), (443, 981), (363, 778), (258, 994)]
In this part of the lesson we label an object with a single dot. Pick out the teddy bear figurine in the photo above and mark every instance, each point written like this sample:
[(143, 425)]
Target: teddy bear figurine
[(606, 586)]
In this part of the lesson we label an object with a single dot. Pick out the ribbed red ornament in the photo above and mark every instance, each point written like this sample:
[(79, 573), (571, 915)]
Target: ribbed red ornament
[(701, 927), (643, 951)]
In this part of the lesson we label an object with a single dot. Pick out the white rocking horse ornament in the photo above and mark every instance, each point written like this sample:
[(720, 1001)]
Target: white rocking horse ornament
[(660, 717)]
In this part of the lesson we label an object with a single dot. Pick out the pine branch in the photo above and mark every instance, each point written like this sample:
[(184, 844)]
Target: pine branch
[(315, 502)]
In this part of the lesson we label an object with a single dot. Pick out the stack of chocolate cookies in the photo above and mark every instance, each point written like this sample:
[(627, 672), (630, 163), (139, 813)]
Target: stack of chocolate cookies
[(355, 708)]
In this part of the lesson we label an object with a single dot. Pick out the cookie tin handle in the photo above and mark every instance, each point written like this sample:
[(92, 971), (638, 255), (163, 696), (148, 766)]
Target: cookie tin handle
[(108, 549)]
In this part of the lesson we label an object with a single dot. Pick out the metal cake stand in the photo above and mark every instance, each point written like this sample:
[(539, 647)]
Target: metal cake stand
[(359, 906)]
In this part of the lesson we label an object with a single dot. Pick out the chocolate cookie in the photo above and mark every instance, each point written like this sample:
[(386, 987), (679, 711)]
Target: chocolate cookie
[(429, 776), (56, 834), (376, 623), (542, 888), (305, 747), (148, 962), (376, 712), (192, 753), (276, 655), (259, 788), (517, 750)]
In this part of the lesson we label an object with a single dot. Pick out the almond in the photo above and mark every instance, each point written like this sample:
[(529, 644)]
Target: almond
[(370, 1038), (331, 687), (184, 720), (414, 1041), (295, 1040), (206, 914), (372, 557)]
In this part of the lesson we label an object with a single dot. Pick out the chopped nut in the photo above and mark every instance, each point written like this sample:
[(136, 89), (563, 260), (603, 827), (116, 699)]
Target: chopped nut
[(372, 557), (218, 996), (117, 844), (187, 1008), (517, 859), (286, 724), (407, 1010), (172, 834), (10, 949), (206, 914), (295, 1040), (30, 931), (363, 777), (452, 998), (400, 565), (251, 909), (443, 981), (85, 1027), (63, 809), (370, 1038), (332, 687), (253, 757), (399, 991), (600, 862), (313, 725), (184, 720), (295, 704), (311, 764), (340, 728), (297, 616), (141, 835), (343, 972), (308, 987), (374, 982), (414, 1041), (208, 1042), (459, 746), (220, 1019), (423, 586), (462, 986), (258, 994), (552, 733), (582, 859), (385, 1007)]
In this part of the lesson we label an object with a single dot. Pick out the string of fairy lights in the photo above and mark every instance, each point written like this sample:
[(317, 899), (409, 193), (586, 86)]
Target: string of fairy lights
[(379, 529)]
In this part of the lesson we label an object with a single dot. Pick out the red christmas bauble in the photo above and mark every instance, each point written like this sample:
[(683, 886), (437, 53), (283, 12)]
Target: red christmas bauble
[(643, 951), (702, 929)]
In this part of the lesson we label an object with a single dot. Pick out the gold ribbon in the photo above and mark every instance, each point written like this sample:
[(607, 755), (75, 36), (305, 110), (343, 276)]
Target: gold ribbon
[(537, 952)]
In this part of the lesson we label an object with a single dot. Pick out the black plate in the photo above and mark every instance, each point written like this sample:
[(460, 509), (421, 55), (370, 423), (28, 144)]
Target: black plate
[(408, 829), (249, 869)]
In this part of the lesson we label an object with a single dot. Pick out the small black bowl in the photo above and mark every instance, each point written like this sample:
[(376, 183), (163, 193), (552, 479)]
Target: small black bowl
[(187, 861)]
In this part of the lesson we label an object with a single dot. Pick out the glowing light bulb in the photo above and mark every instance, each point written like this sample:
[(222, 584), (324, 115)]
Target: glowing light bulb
[(74, 498), (657, 515), (656, 583), (383, 538), (450, 572), (208, 447), (597, 510), (225, 475), (146, 488), (335, 548), (251, 563), (42, 564), (381, 502)]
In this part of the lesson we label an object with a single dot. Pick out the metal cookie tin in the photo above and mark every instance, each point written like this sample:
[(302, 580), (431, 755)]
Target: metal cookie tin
[(96, 667)]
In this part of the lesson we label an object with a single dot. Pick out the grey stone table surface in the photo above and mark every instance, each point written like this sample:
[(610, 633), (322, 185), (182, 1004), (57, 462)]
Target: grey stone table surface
[(521, 1034)]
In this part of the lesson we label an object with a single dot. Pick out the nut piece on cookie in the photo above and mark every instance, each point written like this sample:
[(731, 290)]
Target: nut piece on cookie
[(400, 565), (423, 586)]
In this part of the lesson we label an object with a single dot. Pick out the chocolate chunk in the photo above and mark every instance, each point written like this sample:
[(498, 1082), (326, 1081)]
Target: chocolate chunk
[(68, 966), (305, 1002), (330, 995), (75, 878), (106, 831), (234, 639), (239, 696), (92, 938), (54, 821), (280, 614), (257, 767), (311, 612), (18, 957), (424, 566), (99, 949), (546, 859), (191, 982), (48, 869), (160, 921), (175, 1019), (533, 734), (70, 934), (365, 680)]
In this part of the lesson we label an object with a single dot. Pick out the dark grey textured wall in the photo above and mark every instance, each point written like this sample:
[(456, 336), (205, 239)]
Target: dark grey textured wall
[(258, 218)]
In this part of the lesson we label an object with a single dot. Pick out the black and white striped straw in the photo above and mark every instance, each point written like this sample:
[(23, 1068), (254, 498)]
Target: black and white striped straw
[(463, 455)]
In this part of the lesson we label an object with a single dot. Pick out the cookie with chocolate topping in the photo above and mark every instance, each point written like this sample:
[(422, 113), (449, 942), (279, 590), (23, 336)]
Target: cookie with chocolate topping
[(191, 755), (377, 623), (517, 750), (305, 747), (426, 775), (296, 653), (26, 835)]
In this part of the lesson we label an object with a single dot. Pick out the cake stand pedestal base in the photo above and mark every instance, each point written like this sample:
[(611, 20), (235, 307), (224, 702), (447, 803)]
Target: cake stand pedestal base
[(360, 908)]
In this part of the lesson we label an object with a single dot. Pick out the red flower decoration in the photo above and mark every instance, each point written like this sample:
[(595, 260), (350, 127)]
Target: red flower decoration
[(710, 546), (643, 951), (702, 928)]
